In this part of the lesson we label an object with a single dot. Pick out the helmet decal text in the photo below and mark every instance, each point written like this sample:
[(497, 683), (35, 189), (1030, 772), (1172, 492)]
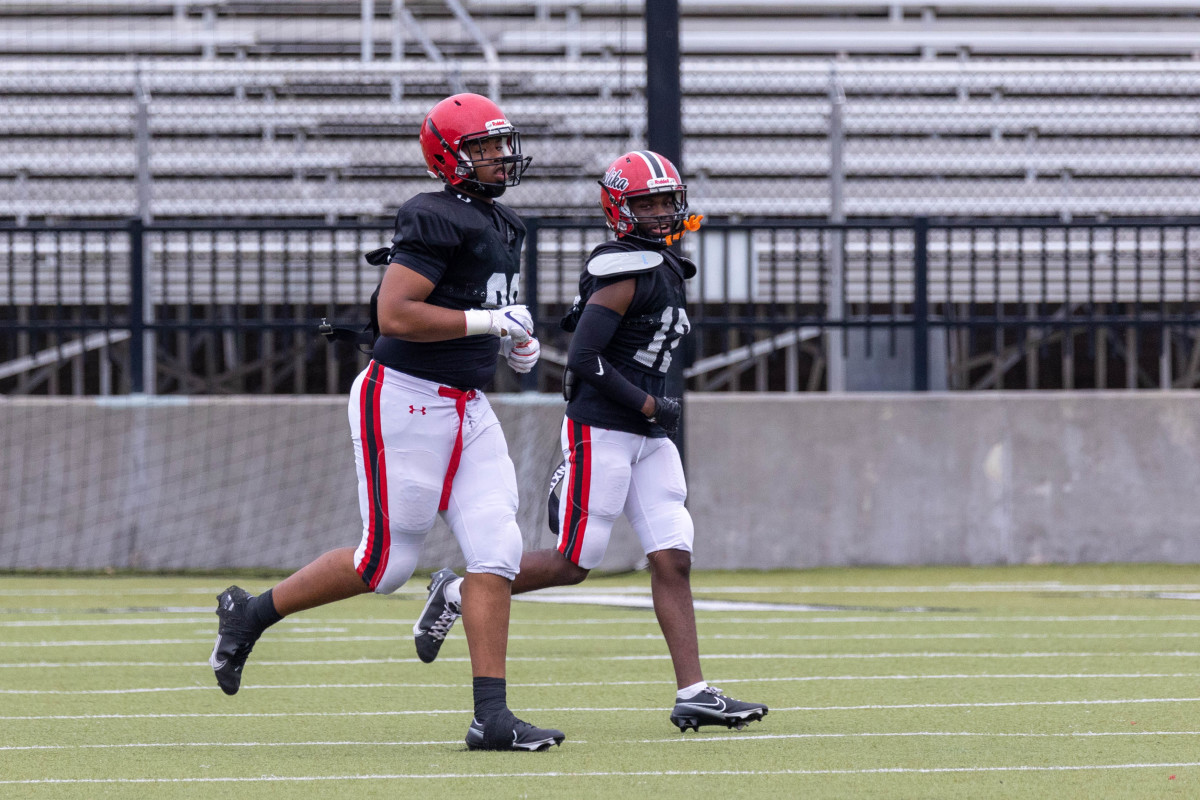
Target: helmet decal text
[(614, 180)]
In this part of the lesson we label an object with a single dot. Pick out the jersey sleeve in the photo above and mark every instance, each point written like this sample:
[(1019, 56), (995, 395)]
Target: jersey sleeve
[(425, 242)]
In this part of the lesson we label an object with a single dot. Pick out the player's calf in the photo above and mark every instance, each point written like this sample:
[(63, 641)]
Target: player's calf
[(711, 706)]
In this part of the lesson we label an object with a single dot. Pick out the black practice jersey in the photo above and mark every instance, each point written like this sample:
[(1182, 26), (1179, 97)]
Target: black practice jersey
[(471, 251), (641, 348)]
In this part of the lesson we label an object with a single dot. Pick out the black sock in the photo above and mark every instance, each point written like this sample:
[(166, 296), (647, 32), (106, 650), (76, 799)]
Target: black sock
[(491, 696), (261, 611)]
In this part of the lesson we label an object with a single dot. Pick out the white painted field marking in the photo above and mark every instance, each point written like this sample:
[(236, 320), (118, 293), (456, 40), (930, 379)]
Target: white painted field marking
[(890, 618), (661, 656), (721, 737), (602, 774), (717, 738), (575, 684), (93, 622), (591, 710), (865, 637), (1114, 702), (644, 601), (136, 745), (246, 715), (116, 590), (1189, 591), (1034, 586)]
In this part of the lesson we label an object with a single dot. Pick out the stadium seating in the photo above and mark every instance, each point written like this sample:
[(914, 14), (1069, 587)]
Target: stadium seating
[(1060, 108)]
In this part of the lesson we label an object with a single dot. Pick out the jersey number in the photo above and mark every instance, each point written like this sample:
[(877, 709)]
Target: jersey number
[(673, 326), (502, 289)]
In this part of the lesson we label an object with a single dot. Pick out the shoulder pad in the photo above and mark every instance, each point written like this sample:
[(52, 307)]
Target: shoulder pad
[(619, 263)]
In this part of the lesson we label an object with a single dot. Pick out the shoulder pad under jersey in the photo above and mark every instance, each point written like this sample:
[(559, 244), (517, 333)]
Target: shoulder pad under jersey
[(618, 263)]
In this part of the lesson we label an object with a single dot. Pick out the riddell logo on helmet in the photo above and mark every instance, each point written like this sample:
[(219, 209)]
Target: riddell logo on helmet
[(659, 183), (614, 180), (493, 124)]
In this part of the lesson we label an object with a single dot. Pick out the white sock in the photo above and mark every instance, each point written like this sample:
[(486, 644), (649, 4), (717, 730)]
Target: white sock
[(688, 692), (454, 592)]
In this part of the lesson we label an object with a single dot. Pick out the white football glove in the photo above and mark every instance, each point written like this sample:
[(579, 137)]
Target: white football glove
[(514, 321), (521, 357)]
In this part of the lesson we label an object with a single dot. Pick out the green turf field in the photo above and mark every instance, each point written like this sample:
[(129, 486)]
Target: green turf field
[(1040, 682)]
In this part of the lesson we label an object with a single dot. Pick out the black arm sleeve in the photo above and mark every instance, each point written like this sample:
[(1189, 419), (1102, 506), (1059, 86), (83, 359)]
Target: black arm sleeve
[(597, 325)]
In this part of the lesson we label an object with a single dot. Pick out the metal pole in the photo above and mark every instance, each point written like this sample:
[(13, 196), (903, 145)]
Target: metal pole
[(664, 131), (529, 381), (141, 127), (664, 99), (368, 30), (137, 321), (836, 337), (397, 48), (490, 56), (921, 304)]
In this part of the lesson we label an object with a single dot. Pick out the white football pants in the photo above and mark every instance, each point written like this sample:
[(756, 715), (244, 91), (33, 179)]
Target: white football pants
[(610, 472), (421, 448)]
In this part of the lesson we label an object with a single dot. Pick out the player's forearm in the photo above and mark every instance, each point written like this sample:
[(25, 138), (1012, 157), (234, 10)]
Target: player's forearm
[(584, 358), (415, 321)]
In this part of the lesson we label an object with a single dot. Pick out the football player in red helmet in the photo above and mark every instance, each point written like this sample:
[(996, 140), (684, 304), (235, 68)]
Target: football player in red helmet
[(644, 198), (469, 144), (618, 457), (427, 441)]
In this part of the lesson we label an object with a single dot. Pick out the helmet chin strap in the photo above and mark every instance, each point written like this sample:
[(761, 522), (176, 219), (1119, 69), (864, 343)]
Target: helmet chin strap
[(488, 190)]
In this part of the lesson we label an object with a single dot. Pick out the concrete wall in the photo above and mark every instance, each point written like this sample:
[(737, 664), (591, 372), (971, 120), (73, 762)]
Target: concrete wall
[(981, 478), (775, 480)]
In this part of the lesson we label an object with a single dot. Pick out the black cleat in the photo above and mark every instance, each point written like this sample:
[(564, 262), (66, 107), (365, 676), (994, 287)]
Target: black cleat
[(712, 707), (436, 618), (505, 732), (235, 639)]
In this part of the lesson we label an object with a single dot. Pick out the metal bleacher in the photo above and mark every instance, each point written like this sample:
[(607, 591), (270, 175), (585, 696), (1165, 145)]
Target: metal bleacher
[(309, 109)]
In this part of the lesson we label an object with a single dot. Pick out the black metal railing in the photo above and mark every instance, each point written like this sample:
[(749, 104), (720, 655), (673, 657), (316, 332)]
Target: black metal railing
[(777, 305)]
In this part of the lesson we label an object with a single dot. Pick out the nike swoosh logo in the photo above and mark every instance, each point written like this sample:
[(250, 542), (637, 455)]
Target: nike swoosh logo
[(719, 705), (599, 367), (212, 660)]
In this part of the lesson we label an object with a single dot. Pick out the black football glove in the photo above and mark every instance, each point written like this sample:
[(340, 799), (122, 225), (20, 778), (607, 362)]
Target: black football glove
[(666, 413)]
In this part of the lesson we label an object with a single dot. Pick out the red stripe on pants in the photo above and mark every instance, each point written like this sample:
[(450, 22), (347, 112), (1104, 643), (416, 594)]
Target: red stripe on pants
[(575, 515), (460, 405), (375, 555)]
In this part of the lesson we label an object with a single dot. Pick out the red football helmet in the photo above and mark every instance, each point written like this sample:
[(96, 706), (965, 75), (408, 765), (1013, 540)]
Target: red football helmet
[(641, 173), (452, 136)]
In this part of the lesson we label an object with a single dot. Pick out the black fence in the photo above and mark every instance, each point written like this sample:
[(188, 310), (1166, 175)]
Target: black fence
[(232, 308)]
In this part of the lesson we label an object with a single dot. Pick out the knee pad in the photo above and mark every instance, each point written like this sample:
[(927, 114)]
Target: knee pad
[(386, 559), (398, 562), (498, 550)]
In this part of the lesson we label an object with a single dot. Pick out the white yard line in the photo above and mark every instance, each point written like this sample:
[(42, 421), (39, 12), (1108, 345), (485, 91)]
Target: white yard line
[(414, 588), (595, 710), (719, 738), (653, 637), (575, 684), (425, 776), (891, 618)]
